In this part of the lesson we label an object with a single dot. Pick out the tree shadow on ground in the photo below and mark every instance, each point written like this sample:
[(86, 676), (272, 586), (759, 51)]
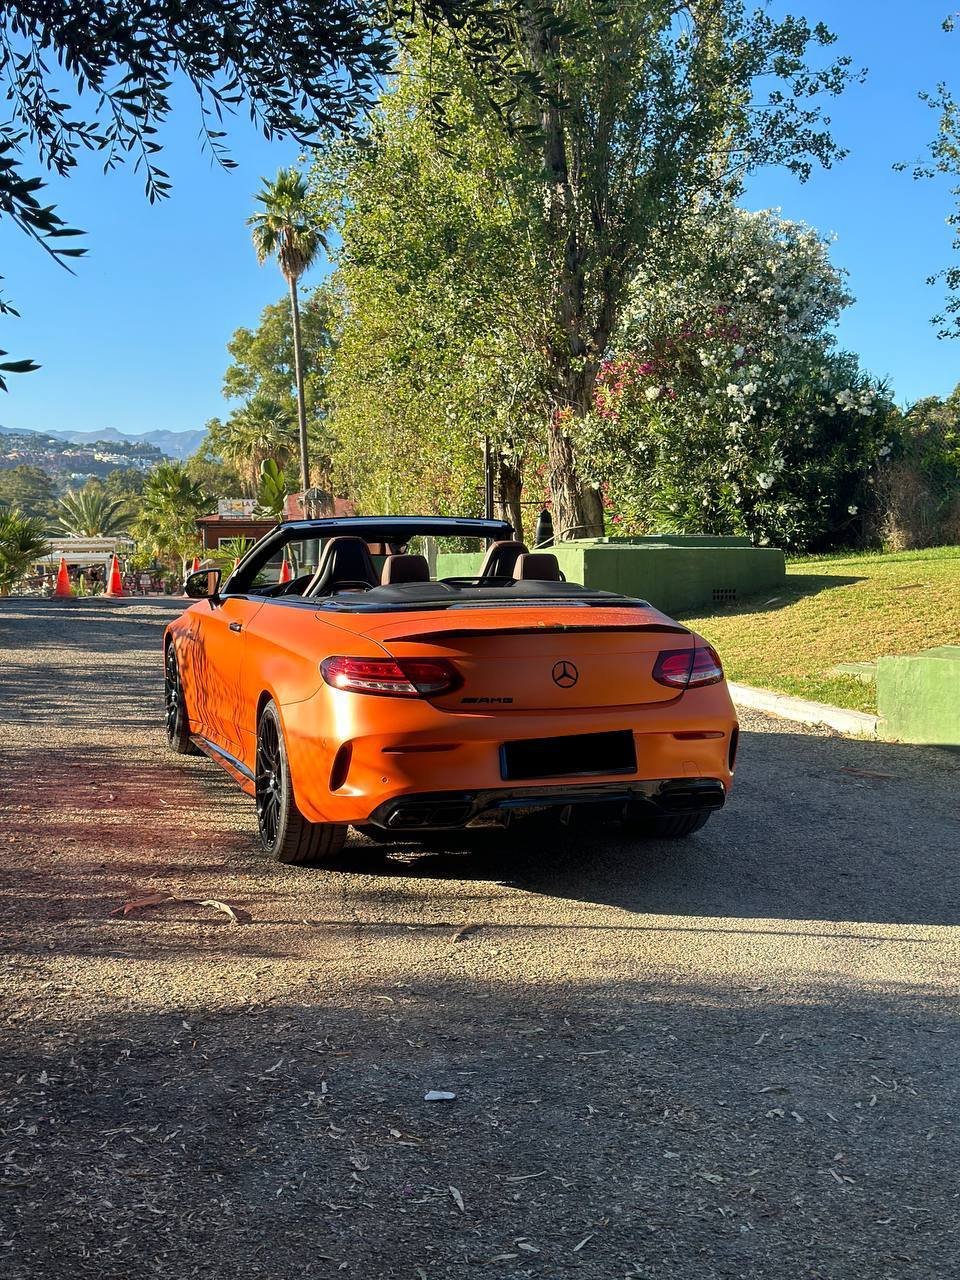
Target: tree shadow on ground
[(635, 1129)]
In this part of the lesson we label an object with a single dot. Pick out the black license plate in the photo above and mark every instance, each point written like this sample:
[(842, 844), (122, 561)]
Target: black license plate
[(579, 756)]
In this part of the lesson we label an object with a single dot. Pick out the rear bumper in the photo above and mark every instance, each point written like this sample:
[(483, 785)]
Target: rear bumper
[(443, 810), (352, 757)]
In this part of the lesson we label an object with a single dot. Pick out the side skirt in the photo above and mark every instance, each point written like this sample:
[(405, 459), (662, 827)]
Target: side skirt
[(236, 768)]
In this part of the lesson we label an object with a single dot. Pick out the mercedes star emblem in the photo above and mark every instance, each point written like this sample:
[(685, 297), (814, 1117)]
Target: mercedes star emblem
[(565, 674)]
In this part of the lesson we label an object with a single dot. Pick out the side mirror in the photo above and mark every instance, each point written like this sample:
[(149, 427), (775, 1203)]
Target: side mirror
[(203, 585)]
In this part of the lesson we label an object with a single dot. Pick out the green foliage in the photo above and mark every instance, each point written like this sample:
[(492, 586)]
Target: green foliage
[(286, 229), (91, 513), (273, 491), (29, 489), (22, 541), (215, 478), (439, 298), (260, 429), (261, 359), (124, 482), (653, 109), (728, 412), (166, 526)]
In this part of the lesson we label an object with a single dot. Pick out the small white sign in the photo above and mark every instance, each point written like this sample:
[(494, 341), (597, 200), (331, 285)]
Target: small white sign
[(236, 506)]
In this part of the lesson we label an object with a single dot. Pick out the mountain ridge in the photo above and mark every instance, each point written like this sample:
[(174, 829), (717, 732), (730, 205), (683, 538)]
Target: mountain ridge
[(175, 444)]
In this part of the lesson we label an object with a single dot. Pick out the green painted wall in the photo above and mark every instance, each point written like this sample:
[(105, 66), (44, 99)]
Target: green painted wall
[(918, 696), (675, 574)]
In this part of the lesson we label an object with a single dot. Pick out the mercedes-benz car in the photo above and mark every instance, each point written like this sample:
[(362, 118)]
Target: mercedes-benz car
[(340, 682)]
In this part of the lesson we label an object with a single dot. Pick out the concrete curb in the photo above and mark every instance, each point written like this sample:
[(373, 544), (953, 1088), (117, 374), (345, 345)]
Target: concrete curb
[(857, 724)]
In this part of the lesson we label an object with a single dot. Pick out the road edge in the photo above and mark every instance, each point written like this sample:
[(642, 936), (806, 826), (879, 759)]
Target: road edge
[(857, 724)]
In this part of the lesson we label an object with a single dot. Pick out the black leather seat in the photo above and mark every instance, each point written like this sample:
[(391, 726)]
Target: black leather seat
[(500, 559), (345, 563), (541, 566)]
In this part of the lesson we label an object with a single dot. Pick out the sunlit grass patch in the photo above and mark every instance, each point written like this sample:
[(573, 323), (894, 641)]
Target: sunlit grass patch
[(838, 609)]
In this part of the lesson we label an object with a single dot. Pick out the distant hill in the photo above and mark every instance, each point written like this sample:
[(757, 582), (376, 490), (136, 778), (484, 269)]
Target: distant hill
[(175, 444)]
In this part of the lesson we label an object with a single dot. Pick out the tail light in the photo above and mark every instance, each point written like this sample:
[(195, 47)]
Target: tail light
[(392, 677), (688, 668)]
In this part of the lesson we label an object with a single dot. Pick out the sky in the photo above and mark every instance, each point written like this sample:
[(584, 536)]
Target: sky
[(136, 338)]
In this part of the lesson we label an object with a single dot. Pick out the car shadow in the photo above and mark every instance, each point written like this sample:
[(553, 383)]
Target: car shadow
[(817, 828)]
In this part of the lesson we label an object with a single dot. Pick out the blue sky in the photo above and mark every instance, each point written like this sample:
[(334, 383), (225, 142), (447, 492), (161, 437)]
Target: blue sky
[(136, 339)]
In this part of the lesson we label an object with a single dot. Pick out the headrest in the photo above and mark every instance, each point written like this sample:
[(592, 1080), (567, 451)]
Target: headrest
[(540, 566), (500, 559), (404, 569)]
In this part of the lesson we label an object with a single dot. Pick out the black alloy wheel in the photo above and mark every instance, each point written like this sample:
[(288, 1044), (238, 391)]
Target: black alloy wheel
[(176, 719), (284, 832)]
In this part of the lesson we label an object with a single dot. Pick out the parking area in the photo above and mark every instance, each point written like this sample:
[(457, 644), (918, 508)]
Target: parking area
[(736, 1057)]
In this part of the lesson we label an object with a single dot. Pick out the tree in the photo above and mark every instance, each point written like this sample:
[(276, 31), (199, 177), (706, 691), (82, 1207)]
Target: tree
[(124, 482), (215, 478), (22, 541), (287, 229), (260, 429), (438, 298), (90, 513), (262, 374), (651, 109), (29, 489), (725, 408), (166, 526)]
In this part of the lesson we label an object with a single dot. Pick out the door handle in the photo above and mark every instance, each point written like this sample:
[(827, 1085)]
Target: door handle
[(236, 626)]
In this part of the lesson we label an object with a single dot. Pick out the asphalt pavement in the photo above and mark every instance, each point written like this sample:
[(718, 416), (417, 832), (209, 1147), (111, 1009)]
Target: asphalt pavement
[(737, 1056)]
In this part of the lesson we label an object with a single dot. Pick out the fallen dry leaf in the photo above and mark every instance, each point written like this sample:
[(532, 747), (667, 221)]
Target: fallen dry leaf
[(235, 914), (457, 1199), (149, 900)]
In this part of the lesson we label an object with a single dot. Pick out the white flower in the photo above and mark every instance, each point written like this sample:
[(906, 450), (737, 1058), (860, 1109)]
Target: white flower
[(851, 510), (652, 393), (749, 388), (765, 480), (732, 389)]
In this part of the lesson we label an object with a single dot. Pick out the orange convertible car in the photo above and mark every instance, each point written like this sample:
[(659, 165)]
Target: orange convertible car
[(340, 683)]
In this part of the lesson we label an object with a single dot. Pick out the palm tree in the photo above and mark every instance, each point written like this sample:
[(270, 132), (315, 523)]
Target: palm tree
[(22, 541), (91, 513), (171, 502), (286, 228), (260, 429)]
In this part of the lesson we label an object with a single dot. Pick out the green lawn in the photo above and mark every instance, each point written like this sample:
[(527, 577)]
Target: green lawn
[(849, 608)]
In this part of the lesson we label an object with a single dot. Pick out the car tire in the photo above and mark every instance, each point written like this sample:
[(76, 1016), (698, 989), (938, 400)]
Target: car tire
[(667, 826), (175, 708), (285, 833)]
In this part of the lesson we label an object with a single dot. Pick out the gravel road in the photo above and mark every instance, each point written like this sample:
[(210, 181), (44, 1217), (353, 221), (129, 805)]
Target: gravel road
[(736, 1057)]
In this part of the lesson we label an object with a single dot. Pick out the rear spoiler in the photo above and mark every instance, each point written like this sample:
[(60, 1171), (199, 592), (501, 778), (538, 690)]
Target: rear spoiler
[(462, 633)]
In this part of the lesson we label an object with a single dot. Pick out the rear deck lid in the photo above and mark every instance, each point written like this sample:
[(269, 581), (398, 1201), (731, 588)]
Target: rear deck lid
[(539, 659)]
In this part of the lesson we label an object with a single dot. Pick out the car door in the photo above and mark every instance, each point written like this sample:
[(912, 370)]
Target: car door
[(218, 666)]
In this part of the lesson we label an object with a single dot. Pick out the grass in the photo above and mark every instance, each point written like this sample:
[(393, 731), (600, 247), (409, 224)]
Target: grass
[(841, 608)]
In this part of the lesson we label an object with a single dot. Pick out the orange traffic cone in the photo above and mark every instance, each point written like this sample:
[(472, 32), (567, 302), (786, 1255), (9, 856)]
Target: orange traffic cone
[(114, 581), (63, 587), (286, 572), (196, 565)]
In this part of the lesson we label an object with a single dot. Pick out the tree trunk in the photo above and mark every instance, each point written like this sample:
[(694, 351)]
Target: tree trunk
[(301, 403), (507, 489), (577, 508)]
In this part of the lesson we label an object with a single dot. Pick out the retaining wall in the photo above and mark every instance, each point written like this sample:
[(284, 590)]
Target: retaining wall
[(674, 573)]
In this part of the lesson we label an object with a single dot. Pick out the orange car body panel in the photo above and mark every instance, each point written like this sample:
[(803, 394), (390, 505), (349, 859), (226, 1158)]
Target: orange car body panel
[(241, 650)]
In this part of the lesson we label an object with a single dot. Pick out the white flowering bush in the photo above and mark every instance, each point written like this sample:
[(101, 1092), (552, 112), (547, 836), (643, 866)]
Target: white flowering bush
[(727, 409)]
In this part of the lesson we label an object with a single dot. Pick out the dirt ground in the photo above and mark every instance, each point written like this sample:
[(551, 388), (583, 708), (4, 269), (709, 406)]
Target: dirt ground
[(736, 1057)]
